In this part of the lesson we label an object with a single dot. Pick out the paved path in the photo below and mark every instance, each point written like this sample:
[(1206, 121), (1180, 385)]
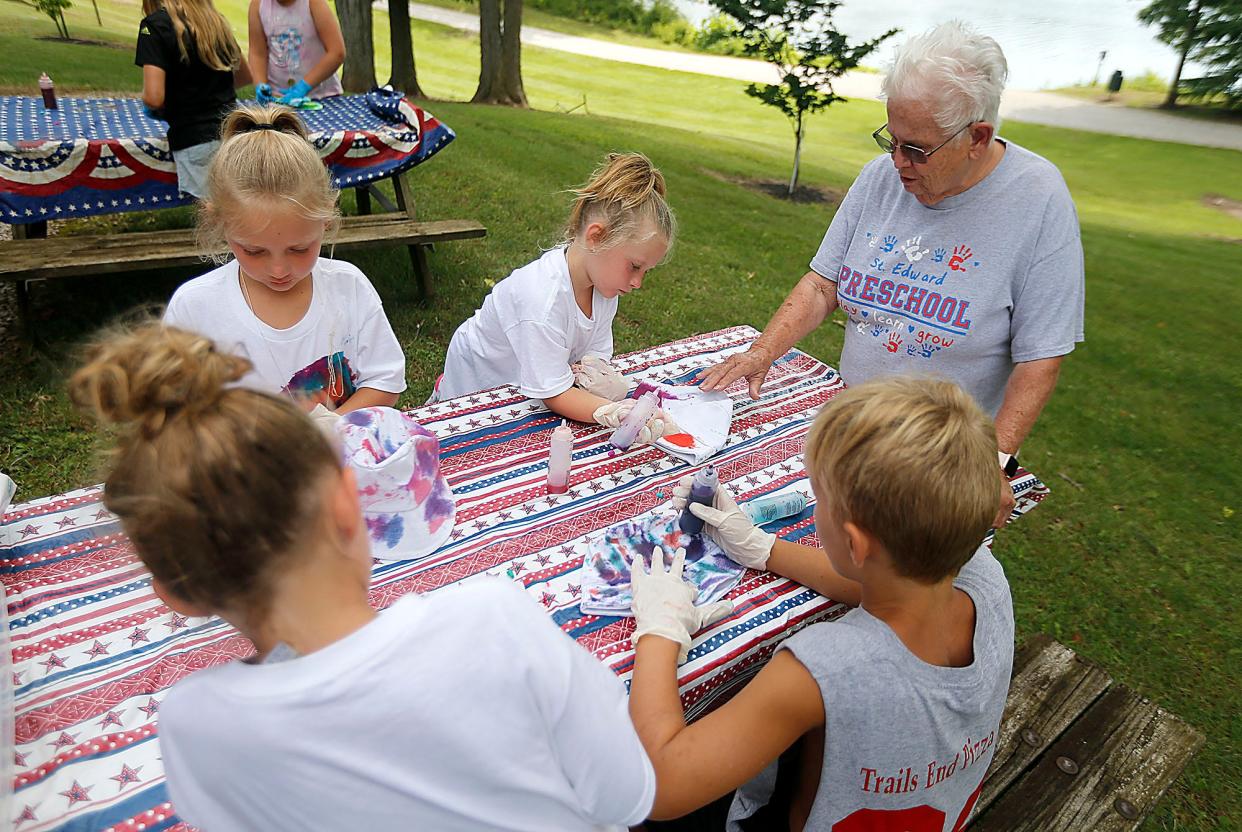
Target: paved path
[(1021, 105)]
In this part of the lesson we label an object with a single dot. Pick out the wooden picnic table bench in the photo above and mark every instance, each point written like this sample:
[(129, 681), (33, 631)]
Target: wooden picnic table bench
[(1075, 753), (29, 257)]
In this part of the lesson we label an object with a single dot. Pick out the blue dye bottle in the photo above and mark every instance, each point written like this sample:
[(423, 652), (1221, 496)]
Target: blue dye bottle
[(702, 491)]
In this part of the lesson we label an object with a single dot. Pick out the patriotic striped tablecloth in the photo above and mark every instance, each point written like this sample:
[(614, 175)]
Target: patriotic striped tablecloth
[(94, 649)]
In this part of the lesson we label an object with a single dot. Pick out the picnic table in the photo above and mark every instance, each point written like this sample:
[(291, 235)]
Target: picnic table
[(94, 649), (96, 156)]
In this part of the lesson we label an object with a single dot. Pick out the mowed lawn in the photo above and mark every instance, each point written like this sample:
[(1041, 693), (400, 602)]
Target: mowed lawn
[(1133, 559)]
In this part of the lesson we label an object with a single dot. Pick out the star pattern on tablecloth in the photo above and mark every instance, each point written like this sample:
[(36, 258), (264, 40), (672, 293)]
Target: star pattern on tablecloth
[(67, 521), (19, 757), (103, 514), (139, 634), (77, 792), (50, 662), (27, 814), (176, 622), (128, 775), (111, 718), (63, 741), (151, 708), (97, 649), (30, 529)]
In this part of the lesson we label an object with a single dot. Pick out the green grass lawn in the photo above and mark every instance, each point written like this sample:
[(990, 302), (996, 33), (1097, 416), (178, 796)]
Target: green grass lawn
[(1132, 561), (1145, 99)]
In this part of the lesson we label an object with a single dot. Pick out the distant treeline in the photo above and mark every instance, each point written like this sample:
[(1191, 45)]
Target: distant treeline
[(657, 18)]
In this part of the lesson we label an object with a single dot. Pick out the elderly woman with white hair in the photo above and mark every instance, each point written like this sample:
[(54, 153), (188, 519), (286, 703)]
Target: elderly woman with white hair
[(956, 254)]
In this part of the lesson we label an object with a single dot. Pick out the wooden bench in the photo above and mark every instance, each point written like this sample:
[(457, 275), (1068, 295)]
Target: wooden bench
[(29, 257), (1075, 753)]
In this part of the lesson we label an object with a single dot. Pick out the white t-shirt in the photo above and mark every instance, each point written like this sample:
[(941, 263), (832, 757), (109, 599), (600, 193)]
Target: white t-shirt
[(527, 333), (465, 709), (343, 342)]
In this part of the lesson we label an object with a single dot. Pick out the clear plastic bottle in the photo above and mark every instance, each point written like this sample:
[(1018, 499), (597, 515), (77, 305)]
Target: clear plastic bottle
[(560, 458), (642, 410)]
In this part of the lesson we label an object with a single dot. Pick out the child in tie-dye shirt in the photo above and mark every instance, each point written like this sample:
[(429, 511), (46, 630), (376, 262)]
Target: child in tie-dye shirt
[(313, 328)]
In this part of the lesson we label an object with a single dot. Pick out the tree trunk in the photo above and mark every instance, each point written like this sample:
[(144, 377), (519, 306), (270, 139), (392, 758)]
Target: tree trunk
[(511, 56), (500, 54), (1171, 100), (358, 74), (798, 133), (404, 77), (489, 52)]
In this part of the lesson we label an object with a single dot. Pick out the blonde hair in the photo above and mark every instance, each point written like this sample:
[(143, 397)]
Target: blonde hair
[(623, 194), (264, 155), (209, 30), (214, 484), (913, 461)]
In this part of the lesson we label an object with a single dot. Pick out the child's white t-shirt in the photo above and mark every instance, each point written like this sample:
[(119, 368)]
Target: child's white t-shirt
[(343, 342), (527, 333), (465, 709)]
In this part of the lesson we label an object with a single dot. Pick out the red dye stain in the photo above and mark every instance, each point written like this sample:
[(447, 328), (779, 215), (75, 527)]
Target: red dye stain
[(681, 440)]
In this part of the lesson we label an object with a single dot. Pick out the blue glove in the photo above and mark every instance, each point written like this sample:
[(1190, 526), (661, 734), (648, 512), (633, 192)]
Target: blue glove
[(263, 94), (299, 90), (152, 112)]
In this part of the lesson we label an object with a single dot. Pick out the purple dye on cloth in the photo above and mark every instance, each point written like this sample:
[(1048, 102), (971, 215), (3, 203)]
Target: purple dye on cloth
[(606, 582)]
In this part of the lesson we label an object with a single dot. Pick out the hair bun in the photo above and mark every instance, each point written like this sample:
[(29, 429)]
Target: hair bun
[(148, 375)]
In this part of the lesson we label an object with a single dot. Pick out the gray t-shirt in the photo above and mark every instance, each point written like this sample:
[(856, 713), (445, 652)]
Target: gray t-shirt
[(903, 740), (963, 289)]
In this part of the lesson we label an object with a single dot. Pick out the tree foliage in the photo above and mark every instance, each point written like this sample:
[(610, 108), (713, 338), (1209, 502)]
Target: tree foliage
[(55, 9), (1208, 32), (799, 39)]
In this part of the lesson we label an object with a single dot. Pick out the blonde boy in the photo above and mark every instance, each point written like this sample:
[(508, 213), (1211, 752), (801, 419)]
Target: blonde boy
[(887, 717)]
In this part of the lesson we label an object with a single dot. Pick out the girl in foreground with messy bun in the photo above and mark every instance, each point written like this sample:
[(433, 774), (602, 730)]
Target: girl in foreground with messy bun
[(343, 719), (547, 327), (313, 329)]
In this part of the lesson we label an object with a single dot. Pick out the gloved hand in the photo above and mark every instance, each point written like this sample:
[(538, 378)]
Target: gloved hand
[(664, 603), (613, 414), (299, 90), (595, 375), (726, 523), (264, 94), (324, 419)]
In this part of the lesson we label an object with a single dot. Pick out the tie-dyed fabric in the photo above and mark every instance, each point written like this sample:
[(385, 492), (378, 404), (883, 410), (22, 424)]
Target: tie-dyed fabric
[(606, 569)]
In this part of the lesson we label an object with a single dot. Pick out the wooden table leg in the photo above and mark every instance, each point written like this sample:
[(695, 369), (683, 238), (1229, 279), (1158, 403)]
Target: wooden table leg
[(25, 325), (363, 197)]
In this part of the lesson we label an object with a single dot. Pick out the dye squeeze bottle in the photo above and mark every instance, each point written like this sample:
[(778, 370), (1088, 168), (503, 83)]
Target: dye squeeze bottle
[(767, 509), (560, 458), (702, 490), (625, 435), (48, 91)]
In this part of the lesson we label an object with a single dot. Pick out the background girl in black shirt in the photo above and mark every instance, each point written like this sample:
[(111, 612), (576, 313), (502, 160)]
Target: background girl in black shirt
[(191, 64)]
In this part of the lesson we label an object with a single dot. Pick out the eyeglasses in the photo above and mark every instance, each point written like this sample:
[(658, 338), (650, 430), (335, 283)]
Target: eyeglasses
[(916, 155)]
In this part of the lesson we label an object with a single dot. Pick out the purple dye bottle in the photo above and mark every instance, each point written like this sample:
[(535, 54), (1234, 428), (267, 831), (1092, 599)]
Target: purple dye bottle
[(702, 490)]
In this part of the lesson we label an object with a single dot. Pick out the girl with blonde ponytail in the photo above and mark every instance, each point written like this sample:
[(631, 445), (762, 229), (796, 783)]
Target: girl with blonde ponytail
[(191, 65), (547, 327), (312, 328), (342, 719)]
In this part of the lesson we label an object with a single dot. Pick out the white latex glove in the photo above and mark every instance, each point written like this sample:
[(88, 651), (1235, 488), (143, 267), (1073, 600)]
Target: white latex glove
[(595, 375), (728, 525), (324, 419), (664, 603), (613, 414)]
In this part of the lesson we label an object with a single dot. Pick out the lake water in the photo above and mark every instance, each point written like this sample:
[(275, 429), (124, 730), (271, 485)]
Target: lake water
[(1048, 43)]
